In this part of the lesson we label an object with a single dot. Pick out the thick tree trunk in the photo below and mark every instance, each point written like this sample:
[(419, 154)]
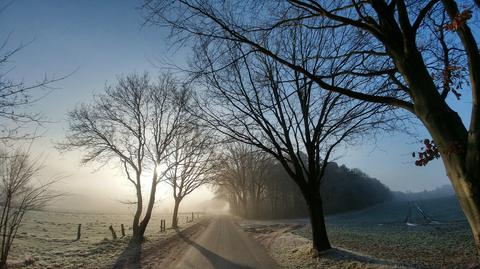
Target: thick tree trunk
[(136, 234), (460, 152), (459, 147), (148, 213), (467, 190), (317, 221), (175, 213)]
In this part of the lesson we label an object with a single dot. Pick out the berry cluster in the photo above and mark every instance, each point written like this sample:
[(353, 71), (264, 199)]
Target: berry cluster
[(428, 153), (459, 20)]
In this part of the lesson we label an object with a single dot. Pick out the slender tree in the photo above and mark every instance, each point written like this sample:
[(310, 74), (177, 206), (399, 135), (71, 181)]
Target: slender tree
[(168, 119), (20, 192), (130, 124), (423, 52), (191, 162)]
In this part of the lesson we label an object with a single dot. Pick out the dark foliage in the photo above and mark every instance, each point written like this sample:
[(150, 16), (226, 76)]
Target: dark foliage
[(347, 189), (343, 190)]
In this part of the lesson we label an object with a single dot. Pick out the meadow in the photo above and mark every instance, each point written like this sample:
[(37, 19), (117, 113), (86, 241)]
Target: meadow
[(382, 232), (47, 239)]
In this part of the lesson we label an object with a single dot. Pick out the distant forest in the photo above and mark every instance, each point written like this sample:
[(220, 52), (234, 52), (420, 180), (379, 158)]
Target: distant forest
[(277, 196), (442, 191)]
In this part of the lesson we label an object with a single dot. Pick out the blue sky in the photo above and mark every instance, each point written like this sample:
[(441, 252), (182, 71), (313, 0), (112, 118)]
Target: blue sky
[(103, 39)]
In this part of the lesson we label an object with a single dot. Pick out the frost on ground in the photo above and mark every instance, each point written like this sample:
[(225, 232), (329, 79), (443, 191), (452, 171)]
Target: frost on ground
[(379, 232), (294, 251), (47, 240)]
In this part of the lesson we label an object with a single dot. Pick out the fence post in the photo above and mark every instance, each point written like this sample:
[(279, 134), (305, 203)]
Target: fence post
[(123, 230), (114, 235), (79, 232)]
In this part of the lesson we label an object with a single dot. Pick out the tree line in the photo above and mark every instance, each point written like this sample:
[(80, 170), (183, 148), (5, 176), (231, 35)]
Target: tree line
[(258, 187)]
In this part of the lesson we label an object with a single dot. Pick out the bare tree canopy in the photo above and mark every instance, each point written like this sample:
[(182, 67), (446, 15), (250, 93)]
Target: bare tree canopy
[(191, 163), (254, 100), (242, 173), (131, 125), (17, 96), (20, 191), (414, 55)]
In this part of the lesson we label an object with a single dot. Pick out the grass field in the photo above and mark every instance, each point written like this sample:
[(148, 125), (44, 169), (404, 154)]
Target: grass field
[(48, 239), (381, 232)]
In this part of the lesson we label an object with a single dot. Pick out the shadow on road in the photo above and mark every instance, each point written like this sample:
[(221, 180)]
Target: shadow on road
[(131, 257), (217, 262)]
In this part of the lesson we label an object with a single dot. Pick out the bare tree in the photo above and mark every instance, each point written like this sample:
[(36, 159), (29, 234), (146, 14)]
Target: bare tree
[(20, 192), (17, 96), (241, 174), (423, 51), (191, 162), (130, 124), (168, 119), (259, 102)]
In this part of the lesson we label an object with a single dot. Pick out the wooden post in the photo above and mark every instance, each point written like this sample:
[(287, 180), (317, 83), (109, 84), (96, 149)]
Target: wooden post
[(114, 235), (162, 225), (123, 230), (79, 232), (186, 220), (192, 216)]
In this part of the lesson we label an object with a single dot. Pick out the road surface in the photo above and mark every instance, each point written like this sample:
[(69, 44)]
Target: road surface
[(224, 246)]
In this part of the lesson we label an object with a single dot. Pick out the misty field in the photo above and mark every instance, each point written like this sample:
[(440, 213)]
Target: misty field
[(381, 232), (47, 239), (377, 237)]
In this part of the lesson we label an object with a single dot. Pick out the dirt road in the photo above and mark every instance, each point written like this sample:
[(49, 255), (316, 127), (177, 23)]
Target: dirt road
[(223, 245)]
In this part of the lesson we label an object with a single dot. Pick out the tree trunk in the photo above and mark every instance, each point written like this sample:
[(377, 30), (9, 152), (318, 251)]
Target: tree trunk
[(3, 262), (175, 213), (458, 147), (465, 176), (317, 221), (246, 213), (148, 213), (136, 233), (460, 152), (465, 181)]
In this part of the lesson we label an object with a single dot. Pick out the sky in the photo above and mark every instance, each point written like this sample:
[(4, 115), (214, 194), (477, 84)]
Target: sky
[(100, 40)]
